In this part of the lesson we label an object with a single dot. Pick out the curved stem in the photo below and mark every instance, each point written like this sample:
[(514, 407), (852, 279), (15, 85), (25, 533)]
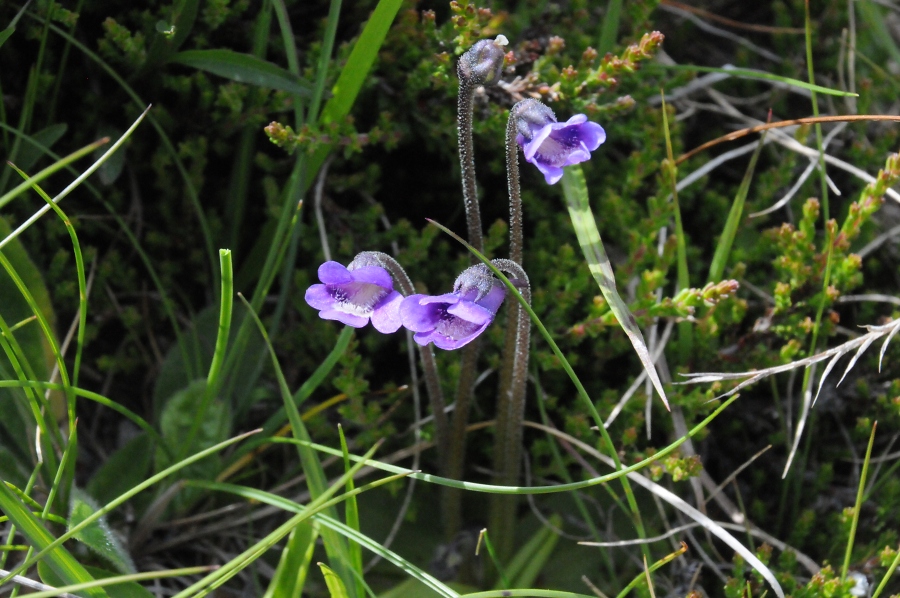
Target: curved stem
[(510, 411), (467, 163), (426, 354)]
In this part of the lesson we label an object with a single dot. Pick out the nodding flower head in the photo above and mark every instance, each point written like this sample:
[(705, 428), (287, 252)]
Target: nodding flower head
[(356, 295), (482, 64), (549, 144), (455, 319)]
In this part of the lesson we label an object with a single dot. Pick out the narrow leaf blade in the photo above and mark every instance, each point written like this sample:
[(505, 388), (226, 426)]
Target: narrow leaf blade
[(244, 68)]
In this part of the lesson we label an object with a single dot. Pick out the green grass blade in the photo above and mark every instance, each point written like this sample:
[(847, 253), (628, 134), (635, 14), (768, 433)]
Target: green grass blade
[(522, 490), (351, 534), (752, 74), (335, 547), (356, 70), (55, 167), (334, 11), (244, 68), (527, 564), (47, 330), (214, 378), (77, 181), (723, 247), (351, 514), (4, 35), (642, 577), (58, 558), (576, 194), (858, 504), (610, 32), (685, 329), (119, 579), (336, 587), (887, 575), (293, 567), (303, 513), (79, 270), (124, 497)]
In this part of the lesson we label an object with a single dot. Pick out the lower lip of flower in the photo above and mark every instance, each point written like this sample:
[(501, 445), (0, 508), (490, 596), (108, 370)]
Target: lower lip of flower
[(454, 327)]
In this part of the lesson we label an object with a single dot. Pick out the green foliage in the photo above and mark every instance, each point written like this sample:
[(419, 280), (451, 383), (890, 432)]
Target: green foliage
[(237, 143)]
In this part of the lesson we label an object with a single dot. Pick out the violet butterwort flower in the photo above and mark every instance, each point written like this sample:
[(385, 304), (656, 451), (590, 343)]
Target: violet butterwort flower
[(356, 295), (455, 319), (549, 144)]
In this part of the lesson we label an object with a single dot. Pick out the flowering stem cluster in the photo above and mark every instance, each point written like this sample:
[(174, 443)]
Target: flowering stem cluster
[(363, 291)]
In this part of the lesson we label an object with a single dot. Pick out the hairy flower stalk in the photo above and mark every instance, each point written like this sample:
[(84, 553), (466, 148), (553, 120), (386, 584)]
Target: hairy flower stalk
[(516, 349), (482, 64), (364, 290)]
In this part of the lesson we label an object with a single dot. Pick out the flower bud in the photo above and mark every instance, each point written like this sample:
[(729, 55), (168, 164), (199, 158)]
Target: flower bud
[(482, 64)]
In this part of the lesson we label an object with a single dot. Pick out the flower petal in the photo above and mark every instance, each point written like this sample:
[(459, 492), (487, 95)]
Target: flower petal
[(591, 135), (386, 317), (334, 273), (449, 344), (494, 299), (373, 275), (318, 297), (342, 316), (417, 316), (471, 312)]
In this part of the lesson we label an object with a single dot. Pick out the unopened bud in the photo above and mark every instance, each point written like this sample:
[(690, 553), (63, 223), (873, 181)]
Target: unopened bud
[(482, 64)]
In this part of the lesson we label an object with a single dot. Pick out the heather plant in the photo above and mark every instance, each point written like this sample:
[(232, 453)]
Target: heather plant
[(628, 321)]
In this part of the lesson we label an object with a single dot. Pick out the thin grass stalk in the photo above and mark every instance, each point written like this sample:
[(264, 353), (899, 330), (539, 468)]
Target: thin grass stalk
[(214, 378), (829, 247), (79, 268), (857, 507), (887, 575), (48, 335), (644, 576), (93, 517), (351, 515), (50, 435), (120, 579), (324, 502), (335, 546), (685, 328), (522, 490), (53, 168), (563, 472)]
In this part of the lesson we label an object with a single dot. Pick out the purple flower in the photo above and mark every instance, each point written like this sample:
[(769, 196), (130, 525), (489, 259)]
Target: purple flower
[(549, 144), (455, 319), (355, 296)]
